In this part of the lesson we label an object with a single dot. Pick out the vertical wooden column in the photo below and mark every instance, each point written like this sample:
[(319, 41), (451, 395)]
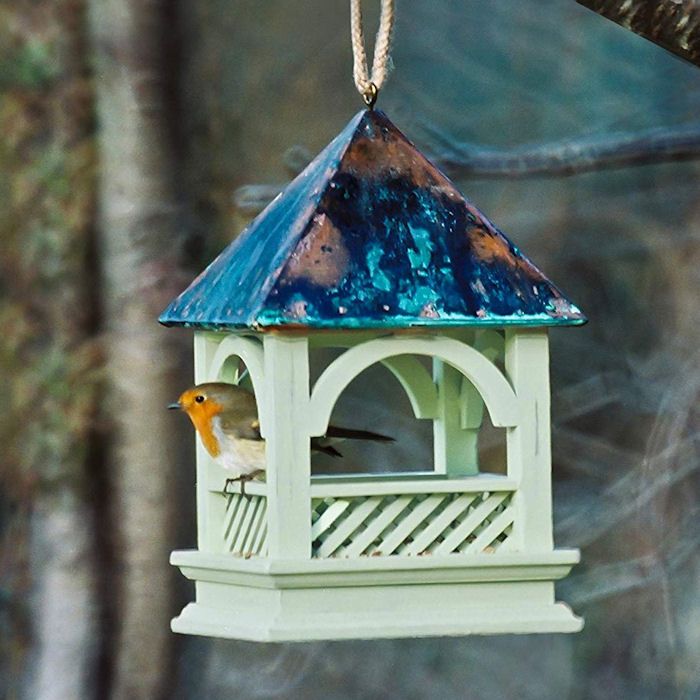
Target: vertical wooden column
[(529, 444), (288, 446), (490, 344), (471, 416), (456, 450), (210, 506)]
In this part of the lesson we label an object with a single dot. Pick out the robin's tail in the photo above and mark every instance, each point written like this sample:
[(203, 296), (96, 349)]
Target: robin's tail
[(348, 434), (324, 448)]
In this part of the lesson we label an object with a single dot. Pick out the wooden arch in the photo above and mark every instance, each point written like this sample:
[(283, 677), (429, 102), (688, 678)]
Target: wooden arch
[(498, 395), (251, 352)]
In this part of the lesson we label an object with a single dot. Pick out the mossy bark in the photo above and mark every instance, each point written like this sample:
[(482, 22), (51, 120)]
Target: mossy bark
[(49, 357)]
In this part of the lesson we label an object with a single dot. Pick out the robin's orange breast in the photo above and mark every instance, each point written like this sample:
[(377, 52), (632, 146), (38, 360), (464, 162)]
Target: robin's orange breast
[(202, 416)]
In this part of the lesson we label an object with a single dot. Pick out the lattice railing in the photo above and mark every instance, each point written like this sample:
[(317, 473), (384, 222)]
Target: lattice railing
[(245, 525), (411, 524)]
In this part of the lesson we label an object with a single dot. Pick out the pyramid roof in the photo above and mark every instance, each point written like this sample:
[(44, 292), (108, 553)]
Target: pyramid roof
[(370, 235)]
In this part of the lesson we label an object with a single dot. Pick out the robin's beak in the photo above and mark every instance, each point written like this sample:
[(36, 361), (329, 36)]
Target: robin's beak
[(174, 406)]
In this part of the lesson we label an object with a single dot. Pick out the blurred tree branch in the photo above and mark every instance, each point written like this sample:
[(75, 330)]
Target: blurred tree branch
[(571, 156), (558, 159), (672, 24)]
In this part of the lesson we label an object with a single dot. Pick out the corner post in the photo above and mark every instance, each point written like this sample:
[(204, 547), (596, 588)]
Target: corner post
[(288, 446), (210, 506), (529, 443)]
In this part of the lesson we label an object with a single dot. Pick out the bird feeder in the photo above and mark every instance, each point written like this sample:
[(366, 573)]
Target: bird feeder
[(373, 250)]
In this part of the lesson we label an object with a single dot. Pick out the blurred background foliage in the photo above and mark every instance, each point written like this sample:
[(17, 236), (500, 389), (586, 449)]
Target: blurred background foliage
[(237, 84)]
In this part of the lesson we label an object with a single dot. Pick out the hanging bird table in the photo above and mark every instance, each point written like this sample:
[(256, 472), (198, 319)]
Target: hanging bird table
[(373, 250)]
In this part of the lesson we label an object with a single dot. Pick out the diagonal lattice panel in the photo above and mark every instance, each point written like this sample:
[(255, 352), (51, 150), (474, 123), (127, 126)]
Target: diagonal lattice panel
[(411, 525), (245, 525)]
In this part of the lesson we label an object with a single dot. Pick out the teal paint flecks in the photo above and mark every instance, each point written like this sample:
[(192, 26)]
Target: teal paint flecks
[(371, 235), (421, 256), (374, 258)]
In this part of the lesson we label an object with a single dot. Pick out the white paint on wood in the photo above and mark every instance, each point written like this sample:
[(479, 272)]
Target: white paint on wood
[(466, 527), (486, 537), (210, 507), (491, 384), (407, 525), (339, 487), (413, 376), (389, 513), (348, 526), (490, 343), (455, 449), (416, 382), (438, 524), (529, 450), (251, 352), (325, 521), (285, 412), (370, 531)]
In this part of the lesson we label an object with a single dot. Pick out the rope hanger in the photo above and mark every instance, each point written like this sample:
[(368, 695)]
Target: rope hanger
[(369, 85)]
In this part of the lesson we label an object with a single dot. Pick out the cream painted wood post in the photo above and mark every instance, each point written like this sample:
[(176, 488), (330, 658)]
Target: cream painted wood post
[(455, 449), (288, 446), (489, 343), (471, 407), (529, 444), (210, 506)]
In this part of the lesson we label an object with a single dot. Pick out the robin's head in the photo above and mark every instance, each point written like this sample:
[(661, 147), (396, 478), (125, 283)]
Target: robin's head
[(208, 399), (202, 403)]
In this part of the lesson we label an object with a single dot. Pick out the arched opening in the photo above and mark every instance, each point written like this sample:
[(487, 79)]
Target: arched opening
[(235, 371), (424, 495), (491, 385), (240, 361), (375, 401), (460, 389)]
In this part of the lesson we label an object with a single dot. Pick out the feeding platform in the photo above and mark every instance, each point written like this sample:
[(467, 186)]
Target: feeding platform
[(373, 251)]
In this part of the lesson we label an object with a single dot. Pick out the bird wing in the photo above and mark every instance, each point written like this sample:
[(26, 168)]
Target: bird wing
[(240, 420), (236, 428), (240, 426), (242, 430)]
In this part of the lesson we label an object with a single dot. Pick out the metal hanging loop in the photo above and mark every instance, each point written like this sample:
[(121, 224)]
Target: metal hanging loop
[(368, 85), (370, 95)]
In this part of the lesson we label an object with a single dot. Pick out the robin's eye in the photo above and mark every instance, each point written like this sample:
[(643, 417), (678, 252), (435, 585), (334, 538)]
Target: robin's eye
[(199, 398)]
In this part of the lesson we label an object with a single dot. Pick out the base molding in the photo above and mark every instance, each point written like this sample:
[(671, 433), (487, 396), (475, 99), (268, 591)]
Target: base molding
[(304, 600), (212, 622)]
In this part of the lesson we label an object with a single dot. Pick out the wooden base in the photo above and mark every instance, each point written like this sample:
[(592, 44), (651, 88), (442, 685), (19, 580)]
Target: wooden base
[(263, 600)]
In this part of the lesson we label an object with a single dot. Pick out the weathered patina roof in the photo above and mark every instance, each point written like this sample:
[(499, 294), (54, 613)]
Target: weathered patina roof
[(370, 235)]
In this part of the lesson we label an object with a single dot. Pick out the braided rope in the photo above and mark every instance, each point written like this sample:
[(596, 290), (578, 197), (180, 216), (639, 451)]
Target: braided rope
[(368, 85)]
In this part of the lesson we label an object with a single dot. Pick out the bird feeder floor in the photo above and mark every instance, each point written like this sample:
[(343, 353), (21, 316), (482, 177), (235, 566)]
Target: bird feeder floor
[(287, 600)]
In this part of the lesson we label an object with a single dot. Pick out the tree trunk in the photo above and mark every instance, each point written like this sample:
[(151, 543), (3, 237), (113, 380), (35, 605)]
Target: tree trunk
[(140, 242)]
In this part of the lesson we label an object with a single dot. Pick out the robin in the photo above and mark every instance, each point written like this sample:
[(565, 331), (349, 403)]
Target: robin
[(226, 418)]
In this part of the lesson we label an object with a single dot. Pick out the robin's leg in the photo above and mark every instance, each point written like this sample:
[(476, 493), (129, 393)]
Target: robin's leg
[(243, 478), (229, 481), (232, 480)]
